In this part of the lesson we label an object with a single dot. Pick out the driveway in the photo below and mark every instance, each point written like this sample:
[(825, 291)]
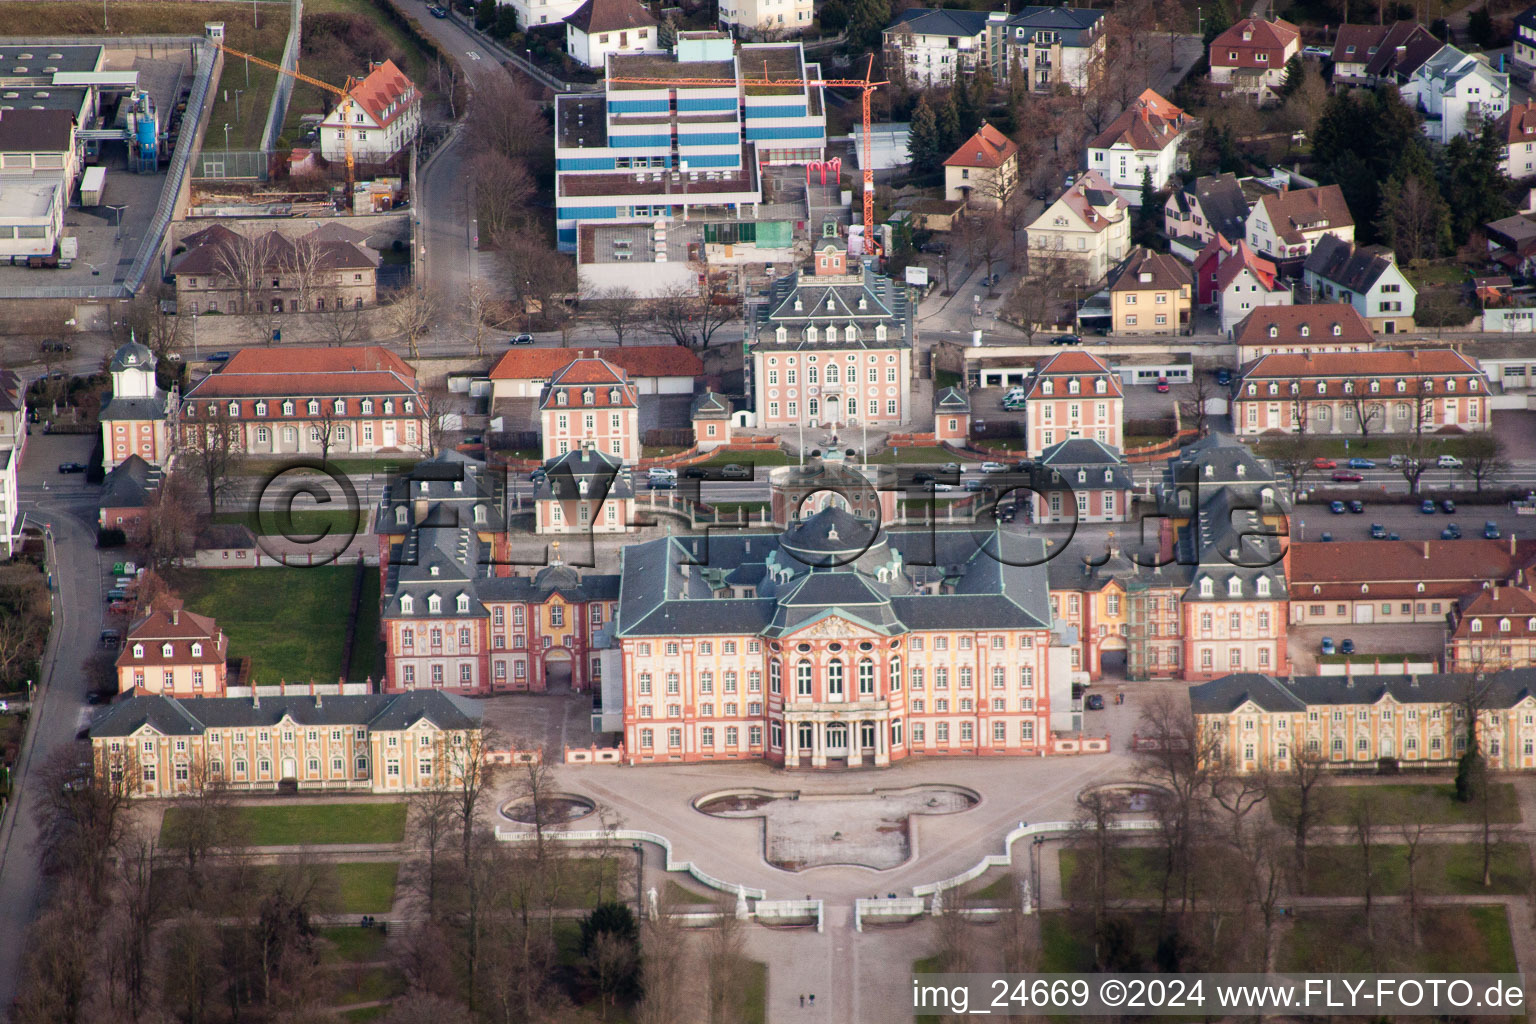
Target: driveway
[(1386, 639)]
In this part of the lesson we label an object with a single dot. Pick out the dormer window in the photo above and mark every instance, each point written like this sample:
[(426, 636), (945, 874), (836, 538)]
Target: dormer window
[(166, 650), (288, 408), (613, 396), (1210, 470), (1207, 588), (1234, 587), (1242, 470), (434, 604), (1349, 387), (781, 335), (400, 516), (1306, 330), (1503, 625), (367, 405), (314, 407), (1450, 385), (1046, 388), (462, 603), (340, 407), (1472, 384), (479, 513), (586, 397), (850, 333), (234, 408), (1429, 385), (1274, 332), (812, 334), (1402, 386), (1099, 387), (799, 306), (1274, 388), (1073, 386), (863, 303), (1322, 387), (880, 332), (197, 650), (261, 408), (1253, 389), (138, 650), (1375, 387), (1082, 476), (1477, 625), (561, 398), (1109, 475), (389, 407), (406, 603), (1262, 586)]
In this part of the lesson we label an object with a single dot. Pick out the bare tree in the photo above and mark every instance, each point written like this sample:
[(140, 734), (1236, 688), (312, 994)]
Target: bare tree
[(303, 261), (503, 187), (171, 525), (1413, 446), (725, 964), (1260, 848), (537, 277), (1296, 452), (212, 441), (688, 315), (1095, 841), (665, 973), (1196, 408), (413, 313), (619, 309), (432, 814), (201, 826), (1037, 299), (1485, 458), (439, 418), (1178, 759), (245, 263), (150, 326), (1362, 818), (503, 118), (483, 312), (1413, 837), (1367, 409), (1302, 803), (339, 323)]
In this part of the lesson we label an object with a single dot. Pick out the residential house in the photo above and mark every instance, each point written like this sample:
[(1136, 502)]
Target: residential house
[(1285, 226), (222, 271), (1388, 392), (837, 339), (174, 652), (1512, 242), (1250, 56), (1212, 205), (1374, 54), (1150, 293), (41, 160), (355, 400), (137, 418), (622, 158), (381, 114), (819, 647), (926, 47), (1522, 57), (1457, 93), (1144, 139), (1492, 630), (127, 498), (1368, 278), (1080, 480), (600, 27), (746, 18), (984, 170), (1517, 130), (951, 416), (1339, 583), (531, 13), (1072, 395), (1054, 47), (1206, 264), (1088, 225), (585, 491), (13, 442), (710, 415), (1245, 281), (590, 404), (651, 369), (1261, 722), (160, 746), (1324, 327)]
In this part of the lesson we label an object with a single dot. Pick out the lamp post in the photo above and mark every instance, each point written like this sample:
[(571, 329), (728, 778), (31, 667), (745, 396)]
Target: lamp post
[(226, 137), (194, 335), (237, 106), (118, 218), (639, 880)]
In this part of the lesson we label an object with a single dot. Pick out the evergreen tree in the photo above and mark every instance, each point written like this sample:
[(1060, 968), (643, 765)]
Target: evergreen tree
[(833, 16), (1149, 214), (1295, 72), (1471, 174), (1219, 21), (1362, 140), (866, 21), (950, 135), (1480, 27), (923, 142), (1415, 220)]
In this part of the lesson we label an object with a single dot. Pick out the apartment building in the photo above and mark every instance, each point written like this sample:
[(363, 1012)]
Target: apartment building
[(1150, 294), (1286, 226), (1088, 226), (1072, 395), (1144, 140), (1517, 129), (925, 47), (381, 113), (744, 18), (1457, 93), (1381, 54), (1054, 48)]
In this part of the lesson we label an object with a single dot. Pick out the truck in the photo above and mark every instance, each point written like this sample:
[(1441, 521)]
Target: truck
[(93, 185), (1525, 507)]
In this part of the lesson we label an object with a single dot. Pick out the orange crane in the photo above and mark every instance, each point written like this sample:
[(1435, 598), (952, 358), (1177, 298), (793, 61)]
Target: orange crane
[(344, 92), (865, 85)]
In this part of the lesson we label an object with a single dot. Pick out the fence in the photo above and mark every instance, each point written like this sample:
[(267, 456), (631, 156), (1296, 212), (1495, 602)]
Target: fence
[(627, 835), (236, 163), (282, 91), (512, 756), (594, 755), (902, 907)]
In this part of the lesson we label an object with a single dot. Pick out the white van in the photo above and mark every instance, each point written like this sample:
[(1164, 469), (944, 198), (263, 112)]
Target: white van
[(1448, 462), (661, 473)]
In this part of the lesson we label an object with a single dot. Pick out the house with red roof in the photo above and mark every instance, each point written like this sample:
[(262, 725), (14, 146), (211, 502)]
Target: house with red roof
[(590, 404), (1244, 282), (174, 652), (651, 369), (1072, 395), (1285, 226), (1318, 327), (1150, 294), (1516, 128), (984, 170), (1145, 138), (321, 401), (600, 27), (1492, 629), (382, 113), (1089, 225), (1249, 58)]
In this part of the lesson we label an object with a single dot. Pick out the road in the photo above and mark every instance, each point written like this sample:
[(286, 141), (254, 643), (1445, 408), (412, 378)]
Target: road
[(80, 573)]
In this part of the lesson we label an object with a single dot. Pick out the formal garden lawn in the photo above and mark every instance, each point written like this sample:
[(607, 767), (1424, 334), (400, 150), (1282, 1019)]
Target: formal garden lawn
[(1406, 803), (312, 824)]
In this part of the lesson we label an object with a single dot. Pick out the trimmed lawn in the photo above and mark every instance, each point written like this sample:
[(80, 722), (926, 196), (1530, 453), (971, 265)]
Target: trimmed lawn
[(1444, 869), (1371, 659), (366, 887), (1452, 939), (589, 881), (356, 466), (754, 998), (1002, 889), (354, 945), (290, 622), (684, 896), (915, 457), (1378, 448), (367, 648), (769, 457), (303, 522), (1407, 803), (1136, 872), (318, 824)]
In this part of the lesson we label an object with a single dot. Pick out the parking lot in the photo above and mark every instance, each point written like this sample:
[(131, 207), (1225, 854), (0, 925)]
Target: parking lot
[(1393, 640), (1310, 521)]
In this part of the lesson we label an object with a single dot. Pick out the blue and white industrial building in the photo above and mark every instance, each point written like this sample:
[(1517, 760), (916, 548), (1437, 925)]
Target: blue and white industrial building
[(648, 153)]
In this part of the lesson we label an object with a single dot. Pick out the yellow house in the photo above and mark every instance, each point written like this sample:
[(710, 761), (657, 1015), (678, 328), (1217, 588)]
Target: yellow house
[(1151, 293), (984, 170)]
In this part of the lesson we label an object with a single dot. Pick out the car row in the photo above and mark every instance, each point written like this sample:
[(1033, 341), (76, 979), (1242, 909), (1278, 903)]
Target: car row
[(1338, 508), (1347, 646)]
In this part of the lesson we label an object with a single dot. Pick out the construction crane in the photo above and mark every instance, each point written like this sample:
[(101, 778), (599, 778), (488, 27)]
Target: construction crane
[(344, 92), (865, 85)]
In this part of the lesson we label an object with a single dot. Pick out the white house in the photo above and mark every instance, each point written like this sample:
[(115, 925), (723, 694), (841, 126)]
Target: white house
[(1050, 47), (1523, 55), (746, 17), (1145, 137), (543, 12), (1517, 131), (1285, 226), (933, 47), (1456, 92), (1088, 224), (600, 27), (382, 114), (1368, 278), (1246, 281)]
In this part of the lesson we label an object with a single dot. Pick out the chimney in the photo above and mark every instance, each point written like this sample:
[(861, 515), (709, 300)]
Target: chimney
[(1511, 545), (175, 616), (419, 511), (319, 699), (1426, 549), (1495, 592)]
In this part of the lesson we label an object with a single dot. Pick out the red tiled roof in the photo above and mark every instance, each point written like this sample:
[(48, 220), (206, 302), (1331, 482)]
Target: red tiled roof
[(1298, 210), (1245, 258), (304, 372), (1314, 366), (596, 377), (636, 361), (157, 629), (1515, 603), (384, 85), (1082, 365), (987, 148), (1150, 123), (1268, 36), (1318, 319), (316, 359), (1218, 246), (609, 16), (1373, 562), (1518, 123), (1077, 200)]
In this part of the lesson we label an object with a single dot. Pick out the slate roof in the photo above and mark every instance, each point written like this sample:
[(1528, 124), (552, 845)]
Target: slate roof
[(833, 301), (1081, 463), (951, 399), (1298, 693), (13, 391), (1074, 26), (451, 485), (132, 355), (710, 406), (988, 148), (609, 16), (1168, 273), (1299, 210), (1338, 261), (377, 712), (940, 22), (603, 475), (1417, 43), (1223, 203), (130, 484)]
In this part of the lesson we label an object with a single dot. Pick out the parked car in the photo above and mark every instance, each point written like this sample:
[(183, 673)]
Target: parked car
[(1357, 506), (1006, 513), (735, 471), (1347, 647), (974, 484), (54, 346), (71, 467), (1162, 385), (1491, 530), (117, 594), (1067, 339), (993, 467), (1336, 507), (537, 476), (111, 638), (1448, 462), (1427, 507), (1327, 645), (940, 488), (1447, 506), (1317, 52), (695, 473), (1326, 538), (1451, 532), (1378, 532), (219, 357), (1223, 376), (950, 467), (922, 478), (438, 12), (661, 483), (1361, 464), (1323, 463), (521, 339), (1345, 476), (124, 607), (1094, 702)]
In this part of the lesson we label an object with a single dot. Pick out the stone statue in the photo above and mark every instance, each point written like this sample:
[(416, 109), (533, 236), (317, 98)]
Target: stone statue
[(650, 899), (742, 913), (1027, 898)]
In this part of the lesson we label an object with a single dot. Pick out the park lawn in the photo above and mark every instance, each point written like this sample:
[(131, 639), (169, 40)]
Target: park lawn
[(1136, 872), (366, 887), (301, 523), (681, 895), (317, 824), (1408, 803), (589, 881), (1001, 889), (767, 457), (1379, 449), (928, 456), (1371, 659), (290, 622), (367, 647), (354, 945), (1452, 939), (754, 998), (384, 465), (367, 985), (1444, 869)]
